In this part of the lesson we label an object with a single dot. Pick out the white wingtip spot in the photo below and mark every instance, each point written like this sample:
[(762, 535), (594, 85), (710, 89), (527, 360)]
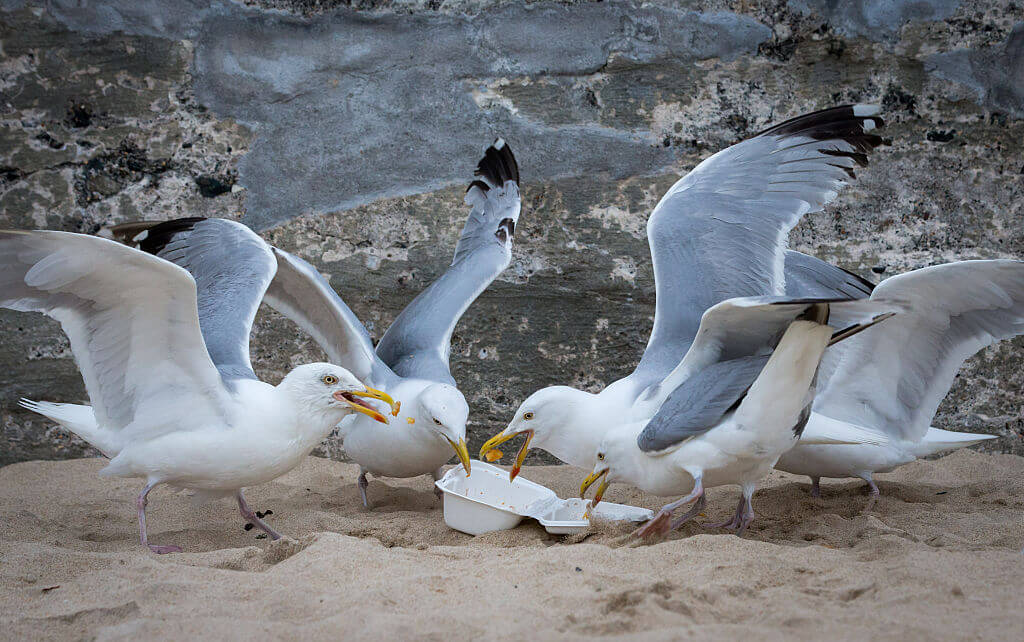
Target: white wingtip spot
[(869, 125), (498, 144), (141, 236), (866, 110)]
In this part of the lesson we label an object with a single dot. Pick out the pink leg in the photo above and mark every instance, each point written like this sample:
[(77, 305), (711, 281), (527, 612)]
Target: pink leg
[(436, 475), (660, 524), (690, 514), (743, 516), (249, 516), (363, 484), (815, 486), (140, 503)]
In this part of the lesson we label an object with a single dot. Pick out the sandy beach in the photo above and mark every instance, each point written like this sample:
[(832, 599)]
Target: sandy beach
[(937, 558)]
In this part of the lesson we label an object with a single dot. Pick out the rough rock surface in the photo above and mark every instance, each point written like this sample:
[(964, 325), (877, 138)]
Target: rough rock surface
[(346, 131)]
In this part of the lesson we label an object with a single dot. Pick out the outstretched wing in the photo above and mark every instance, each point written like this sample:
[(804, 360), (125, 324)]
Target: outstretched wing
[(419, 341), (132, 322), (302, 294), (232, 267), (893, 379), (721, 231)]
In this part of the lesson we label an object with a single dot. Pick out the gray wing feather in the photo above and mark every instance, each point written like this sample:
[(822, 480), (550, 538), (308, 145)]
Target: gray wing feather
[(303, 295), (232, 267), (419, 341), (132, 322), (808, 276), (893, 378), (699, 404), (721, 231)]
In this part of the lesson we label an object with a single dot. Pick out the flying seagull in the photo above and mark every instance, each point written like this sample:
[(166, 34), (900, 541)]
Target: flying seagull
[(174, 397), (411, 360), (722, 426), (719, 232), (891, 380)]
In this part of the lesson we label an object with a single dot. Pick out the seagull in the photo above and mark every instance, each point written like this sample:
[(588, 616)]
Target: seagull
[(719, 232), (166, 364), (411, 360), (892, 379), (738, 409)]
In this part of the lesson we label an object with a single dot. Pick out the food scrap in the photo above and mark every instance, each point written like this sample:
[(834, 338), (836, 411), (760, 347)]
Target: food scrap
[(493, 454), (398, 409), (410, 420)]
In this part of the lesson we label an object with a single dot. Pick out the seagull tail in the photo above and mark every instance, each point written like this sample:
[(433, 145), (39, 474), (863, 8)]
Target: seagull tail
[(937, 440), (79, 420)]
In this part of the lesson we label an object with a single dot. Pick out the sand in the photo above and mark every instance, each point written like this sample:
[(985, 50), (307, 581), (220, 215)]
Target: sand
[(937, 558)]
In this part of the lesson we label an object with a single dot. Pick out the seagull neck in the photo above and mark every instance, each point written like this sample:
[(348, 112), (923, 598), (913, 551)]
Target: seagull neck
[(575, 441), (575, 438), (651, 474)]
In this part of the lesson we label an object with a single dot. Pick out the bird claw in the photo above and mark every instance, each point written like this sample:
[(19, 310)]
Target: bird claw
[(660, 524)]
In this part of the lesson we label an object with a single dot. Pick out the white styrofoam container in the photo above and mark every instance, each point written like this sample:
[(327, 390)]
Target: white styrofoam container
[(567, 516), (486, 501)]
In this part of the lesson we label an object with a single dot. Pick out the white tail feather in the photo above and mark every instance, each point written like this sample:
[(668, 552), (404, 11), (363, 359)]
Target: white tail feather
[(937, 440), (79, 420)]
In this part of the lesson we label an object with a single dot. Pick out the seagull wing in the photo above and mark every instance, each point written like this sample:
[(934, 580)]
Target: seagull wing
[(419, 341), (721, 230), (730, 349), (232, 267), (699, 403), (133, 325), (302, 294), (893, 379)]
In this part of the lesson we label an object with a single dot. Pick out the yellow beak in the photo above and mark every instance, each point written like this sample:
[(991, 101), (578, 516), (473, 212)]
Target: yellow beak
[(494, 442), (462, 452), (350, 397), (501, 438), (590, 481)]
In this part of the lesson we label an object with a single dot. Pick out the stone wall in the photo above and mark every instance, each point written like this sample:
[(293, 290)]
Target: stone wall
[(346, 132)]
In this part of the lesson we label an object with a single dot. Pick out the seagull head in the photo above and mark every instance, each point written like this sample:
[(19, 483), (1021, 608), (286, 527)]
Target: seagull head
[(445, 410), (613, 453), (539, 418), (335, 391)]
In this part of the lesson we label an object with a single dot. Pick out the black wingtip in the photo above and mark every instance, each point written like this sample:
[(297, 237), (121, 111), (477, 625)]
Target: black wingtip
[(866, 286), (857, 328), (497, 166), (150, 236), (851, 123)]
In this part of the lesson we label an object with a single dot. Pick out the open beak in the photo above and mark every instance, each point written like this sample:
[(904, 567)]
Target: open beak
[(351, 397), (463, 452), (501, 438), (590, 481)]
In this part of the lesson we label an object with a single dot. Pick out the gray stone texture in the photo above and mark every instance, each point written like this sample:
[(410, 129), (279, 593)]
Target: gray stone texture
[(346, 132)]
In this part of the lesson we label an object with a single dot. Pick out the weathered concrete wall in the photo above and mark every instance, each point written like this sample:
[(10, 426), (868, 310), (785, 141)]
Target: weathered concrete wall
[(347, 133)]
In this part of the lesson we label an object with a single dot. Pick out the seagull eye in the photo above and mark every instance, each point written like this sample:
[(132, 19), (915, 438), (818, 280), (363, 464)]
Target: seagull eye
[(528, 416), (437, 421), (329, 380), (600, 456)]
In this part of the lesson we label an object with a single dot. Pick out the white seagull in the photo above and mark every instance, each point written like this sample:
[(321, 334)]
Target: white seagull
[(173, 402), (738, 409), (891, 380), (719, 232), (411, 360)]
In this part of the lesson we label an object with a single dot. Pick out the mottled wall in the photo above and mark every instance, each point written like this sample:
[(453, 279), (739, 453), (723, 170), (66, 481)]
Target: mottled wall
[(346, 134)]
